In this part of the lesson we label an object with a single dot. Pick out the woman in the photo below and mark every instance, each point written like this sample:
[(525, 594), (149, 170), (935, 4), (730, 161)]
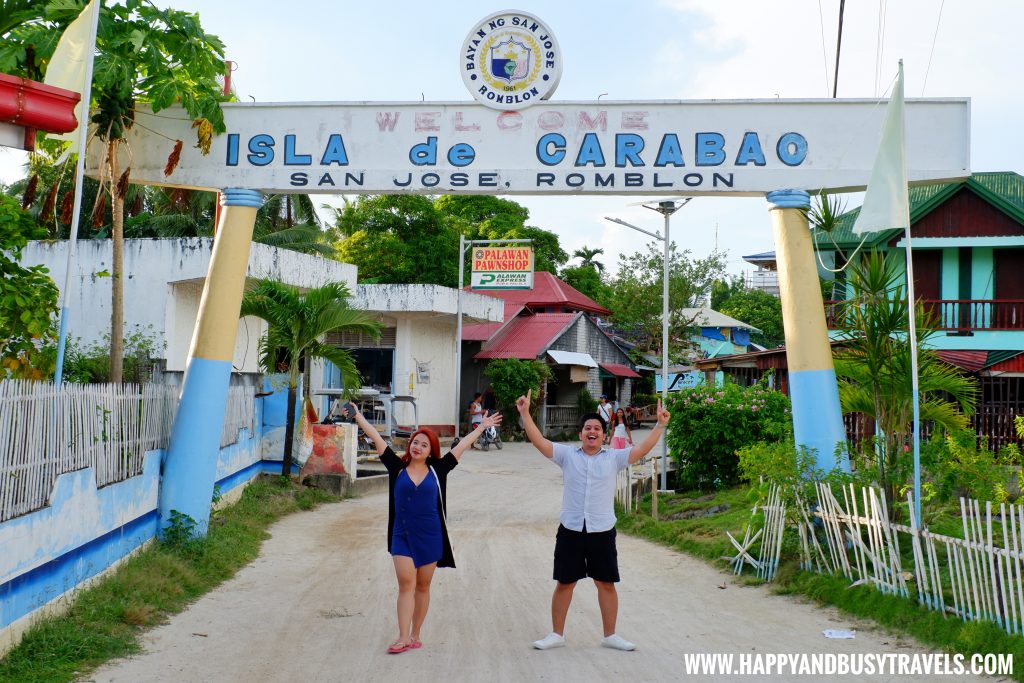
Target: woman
[(417, 532), (621, 433)]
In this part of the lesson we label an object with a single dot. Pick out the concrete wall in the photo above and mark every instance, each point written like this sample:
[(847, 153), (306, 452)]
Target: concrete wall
[(85, 532), (163, 284)]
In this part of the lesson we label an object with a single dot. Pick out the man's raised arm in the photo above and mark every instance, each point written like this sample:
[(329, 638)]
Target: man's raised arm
[(532, 431), (645, 446)]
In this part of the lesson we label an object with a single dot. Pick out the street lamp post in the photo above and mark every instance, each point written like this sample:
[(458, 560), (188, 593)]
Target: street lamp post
[(666, 208)]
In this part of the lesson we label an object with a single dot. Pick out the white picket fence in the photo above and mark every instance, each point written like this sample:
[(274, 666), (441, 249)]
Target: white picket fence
[(46, 431), (977, 577)]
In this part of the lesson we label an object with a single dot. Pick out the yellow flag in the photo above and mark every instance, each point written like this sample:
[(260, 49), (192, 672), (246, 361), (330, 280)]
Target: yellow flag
[(70, 62)]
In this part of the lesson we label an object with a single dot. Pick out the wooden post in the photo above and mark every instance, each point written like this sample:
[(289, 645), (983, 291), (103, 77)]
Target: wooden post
[(654, 488)]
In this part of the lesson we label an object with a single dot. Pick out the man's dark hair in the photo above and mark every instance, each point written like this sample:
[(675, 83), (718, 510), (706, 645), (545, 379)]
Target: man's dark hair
[(593, 416)]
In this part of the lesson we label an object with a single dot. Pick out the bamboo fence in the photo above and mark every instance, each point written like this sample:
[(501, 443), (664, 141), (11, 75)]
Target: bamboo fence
[(977, 577), (46, 431)]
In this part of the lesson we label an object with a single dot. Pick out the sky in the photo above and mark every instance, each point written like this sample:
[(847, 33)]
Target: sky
[(400, 50)]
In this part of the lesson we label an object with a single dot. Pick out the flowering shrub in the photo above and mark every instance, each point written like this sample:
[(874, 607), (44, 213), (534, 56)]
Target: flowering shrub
[(709, 424)]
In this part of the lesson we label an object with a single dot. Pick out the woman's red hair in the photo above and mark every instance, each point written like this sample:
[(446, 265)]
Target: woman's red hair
[(435, 444)]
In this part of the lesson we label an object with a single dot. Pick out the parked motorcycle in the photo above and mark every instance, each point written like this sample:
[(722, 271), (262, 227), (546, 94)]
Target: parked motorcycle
[(490, 436)]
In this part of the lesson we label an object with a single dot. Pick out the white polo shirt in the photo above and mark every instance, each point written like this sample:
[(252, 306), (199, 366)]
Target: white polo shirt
[(588, 485)]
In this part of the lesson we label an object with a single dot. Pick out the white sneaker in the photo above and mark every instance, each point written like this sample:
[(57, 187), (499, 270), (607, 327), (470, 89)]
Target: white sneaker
[(549, 641), (616, 642)]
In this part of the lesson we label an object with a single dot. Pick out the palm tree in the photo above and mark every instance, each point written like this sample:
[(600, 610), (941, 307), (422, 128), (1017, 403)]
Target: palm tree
[(296, 323), (586, 256), (874, 367)]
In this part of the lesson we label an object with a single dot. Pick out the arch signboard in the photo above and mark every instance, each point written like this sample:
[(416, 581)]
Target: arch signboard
[(726, 147)]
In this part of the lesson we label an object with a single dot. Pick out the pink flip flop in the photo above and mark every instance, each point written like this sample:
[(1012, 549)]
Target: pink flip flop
[(415, 645), (398, 648)]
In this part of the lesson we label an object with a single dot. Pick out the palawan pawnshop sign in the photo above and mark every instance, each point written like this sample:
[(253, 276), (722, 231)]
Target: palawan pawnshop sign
[(738, 147)]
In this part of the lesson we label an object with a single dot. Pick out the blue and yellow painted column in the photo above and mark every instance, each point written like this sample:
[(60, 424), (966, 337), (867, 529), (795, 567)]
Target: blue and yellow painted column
[(817, 418), (190, 465)]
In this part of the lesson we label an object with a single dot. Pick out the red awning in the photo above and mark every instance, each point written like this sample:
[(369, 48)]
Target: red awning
[(619, 370)]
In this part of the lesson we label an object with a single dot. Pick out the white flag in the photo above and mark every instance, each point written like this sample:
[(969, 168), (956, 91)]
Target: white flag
[(69, 64), (886, 204)]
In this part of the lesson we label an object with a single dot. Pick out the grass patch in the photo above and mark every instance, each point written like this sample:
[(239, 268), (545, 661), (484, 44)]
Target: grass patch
[(704, 537), (105, 621)]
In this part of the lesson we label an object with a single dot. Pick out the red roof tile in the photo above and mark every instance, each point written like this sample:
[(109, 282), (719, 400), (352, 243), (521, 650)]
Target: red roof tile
[(548, 291), (484, 331), (971, 361), (619, 370), (527, 337)]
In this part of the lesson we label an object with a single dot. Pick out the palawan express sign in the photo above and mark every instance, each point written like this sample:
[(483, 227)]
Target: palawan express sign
[(502, 268)]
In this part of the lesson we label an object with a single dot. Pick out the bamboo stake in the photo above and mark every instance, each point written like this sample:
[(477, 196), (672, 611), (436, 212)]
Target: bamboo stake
[(924, 596), (973, 578), (1014, 511), (1006, 576), (933, 562)]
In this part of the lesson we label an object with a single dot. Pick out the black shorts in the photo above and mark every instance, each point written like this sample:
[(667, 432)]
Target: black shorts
[(579, 554)]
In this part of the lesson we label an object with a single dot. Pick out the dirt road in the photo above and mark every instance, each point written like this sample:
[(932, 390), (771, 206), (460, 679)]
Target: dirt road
[(318, 604)]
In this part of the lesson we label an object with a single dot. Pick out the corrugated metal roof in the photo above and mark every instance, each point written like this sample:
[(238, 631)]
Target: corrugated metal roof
[(527, 337), (1014, 363), (484, 331), (972, 361), (619, 370), (549, 291), (1005, 190)]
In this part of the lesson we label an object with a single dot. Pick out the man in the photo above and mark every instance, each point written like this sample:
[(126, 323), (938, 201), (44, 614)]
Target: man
[(585, 543), (605, 410)]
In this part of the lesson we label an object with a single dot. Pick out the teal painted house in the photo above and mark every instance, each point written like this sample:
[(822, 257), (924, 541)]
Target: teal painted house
[(968, 255)]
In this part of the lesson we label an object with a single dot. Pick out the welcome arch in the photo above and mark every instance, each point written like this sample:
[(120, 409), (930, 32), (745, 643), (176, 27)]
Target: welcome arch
[(779, 149)]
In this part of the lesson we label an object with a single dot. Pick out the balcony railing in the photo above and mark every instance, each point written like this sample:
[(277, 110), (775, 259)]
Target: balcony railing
[(959, 315)]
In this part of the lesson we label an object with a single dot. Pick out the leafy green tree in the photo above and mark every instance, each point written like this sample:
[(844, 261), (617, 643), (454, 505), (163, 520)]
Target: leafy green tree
[(512, 378), (144, 53), (28, 299), (398, 239), (760, 309), (636, 291), (587, 280), (548, 254), (481, 217), (296, 322), (722, 290), (874, 366), (587, 255)]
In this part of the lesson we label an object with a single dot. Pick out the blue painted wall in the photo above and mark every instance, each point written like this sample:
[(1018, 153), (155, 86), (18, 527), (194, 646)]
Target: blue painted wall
[(85, 530)]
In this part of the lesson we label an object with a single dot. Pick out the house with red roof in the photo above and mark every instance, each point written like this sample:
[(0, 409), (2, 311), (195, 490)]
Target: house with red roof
[(554, 323)]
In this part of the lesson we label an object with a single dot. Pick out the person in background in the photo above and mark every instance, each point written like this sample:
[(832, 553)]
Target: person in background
[(490, 401), (620, 434), (605, 410), (476, 410), (417, 527), (585, 542)]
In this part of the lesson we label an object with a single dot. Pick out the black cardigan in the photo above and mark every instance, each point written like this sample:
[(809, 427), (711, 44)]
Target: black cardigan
[(441, 467)]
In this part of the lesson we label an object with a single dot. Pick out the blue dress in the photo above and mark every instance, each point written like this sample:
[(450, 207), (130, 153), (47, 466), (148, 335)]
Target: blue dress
[(417, 529)]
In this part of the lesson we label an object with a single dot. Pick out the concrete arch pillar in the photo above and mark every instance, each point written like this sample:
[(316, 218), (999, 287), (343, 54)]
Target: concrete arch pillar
[(190, 465), (817, 417)]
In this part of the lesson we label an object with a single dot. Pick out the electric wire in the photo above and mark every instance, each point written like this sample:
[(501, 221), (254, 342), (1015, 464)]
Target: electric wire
[(931, 53), (824, 54)]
